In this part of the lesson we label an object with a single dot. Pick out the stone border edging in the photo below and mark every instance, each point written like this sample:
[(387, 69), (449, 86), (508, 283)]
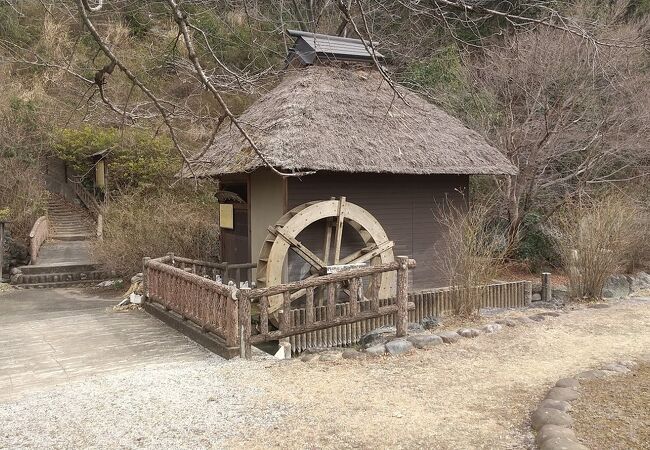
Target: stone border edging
[(424, 340), (551, 420)]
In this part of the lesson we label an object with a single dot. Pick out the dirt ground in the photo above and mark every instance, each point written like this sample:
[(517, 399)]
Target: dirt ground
[(614, 412), (474, 394)]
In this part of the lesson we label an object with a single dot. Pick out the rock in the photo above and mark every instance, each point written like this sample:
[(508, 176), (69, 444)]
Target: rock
[(640, 282), (524, 320), (16, 271), (309, 357), (617, 286), (628, 364), (560, 405), (106, 284), (376, 350), (560, 443), (425, 340), (506, 322), (137, 278), (551, 431), (550, 416), (536, 297), (560, 294), (414, 327), (449, 337), (468, 332), (598, 306), (379, 335), (317, 350), (398, 346), (491, 328), (431, 322), (353, 354), (614, 367), (570, 383), (550, 314), (563, 394), (591, 374), (537, 317), (330, 356)]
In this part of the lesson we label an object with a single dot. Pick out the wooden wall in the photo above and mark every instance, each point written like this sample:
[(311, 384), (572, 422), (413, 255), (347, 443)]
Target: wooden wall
[(403, 204)]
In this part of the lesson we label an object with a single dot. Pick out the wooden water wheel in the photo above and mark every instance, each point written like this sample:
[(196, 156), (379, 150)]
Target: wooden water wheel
[(323, 235)]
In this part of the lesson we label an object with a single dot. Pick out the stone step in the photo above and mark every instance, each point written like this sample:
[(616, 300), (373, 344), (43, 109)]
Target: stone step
[(39, 269), (63, 277), (61, 284), (72, 237)]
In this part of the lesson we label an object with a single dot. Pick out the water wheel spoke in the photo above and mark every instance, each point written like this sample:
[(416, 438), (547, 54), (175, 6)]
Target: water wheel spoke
[(327, 241), (301, 250), (339, 231), (367, 253)]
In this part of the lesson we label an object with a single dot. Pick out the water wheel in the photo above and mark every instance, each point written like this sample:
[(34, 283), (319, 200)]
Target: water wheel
[(320, 235)]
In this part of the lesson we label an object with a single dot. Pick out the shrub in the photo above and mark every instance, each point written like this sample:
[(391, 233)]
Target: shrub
[(594, 238), (152, 224), (134, 157), (537, 245), (474, 253)]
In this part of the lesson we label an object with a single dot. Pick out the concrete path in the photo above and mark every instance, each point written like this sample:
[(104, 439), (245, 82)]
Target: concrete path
[(51, 337), (62, 252)]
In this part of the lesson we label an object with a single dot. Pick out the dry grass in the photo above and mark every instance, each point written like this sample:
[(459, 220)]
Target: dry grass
[(473, 254), (613, 412), (152, 225), (594, 238), (474, 394)]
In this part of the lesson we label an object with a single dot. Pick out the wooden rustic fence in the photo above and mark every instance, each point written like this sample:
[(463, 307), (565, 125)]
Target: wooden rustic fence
[(342, 312), (432, 303), (210, 305)]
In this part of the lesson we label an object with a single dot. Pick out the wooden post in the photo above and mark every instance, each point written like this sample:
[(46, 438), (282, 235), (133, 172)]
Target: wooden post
[(244, 324), (402, 296), (2, 245), (145, 281), (171, 260), (546, 286), (528, 292)]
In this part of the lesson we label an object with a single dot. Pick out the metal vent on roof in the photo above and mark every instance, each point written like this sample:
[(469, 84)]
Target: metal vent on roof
[(310, 46)]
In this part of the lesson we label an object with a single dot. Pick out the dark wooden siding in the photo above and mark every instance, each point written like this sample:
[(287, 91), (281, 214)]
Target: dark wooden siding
[(403, 204)]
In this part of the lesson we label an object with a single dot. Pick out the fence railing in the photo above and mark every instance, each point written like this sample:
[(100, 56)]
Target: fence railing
[(90, 202), (38, 235), (209, 304), (433, 303), (332, 314), (327, 311), (237, 273)]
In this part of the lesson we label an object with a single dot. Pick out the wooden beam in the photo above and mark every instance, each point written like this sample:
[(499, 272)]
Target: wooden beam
[(363, 255)]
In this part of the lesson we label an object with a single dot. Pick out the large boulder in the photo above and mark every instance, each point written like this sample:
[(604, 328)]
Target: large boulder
[(425, 340), (377, 336), (617, 286), (398, 346), (640, 282)]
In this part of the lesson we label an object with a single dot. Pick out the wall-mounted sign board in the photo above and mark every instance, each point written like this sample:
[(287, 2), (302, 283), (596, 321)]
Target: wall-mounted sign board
[(226, 216)]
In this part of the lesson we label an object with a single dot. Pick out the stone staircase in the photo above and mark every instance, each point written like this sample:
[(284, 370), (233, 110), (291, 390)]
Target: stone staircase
[(64, 260)]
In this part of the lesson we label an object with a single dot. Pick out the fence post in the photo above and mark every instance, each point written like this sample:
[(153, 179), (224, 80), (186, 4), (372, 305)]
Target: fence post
[(2, 245), (244, 323), (145, 281), (402, 296), (528, 292), (546, 286), (171, 260)]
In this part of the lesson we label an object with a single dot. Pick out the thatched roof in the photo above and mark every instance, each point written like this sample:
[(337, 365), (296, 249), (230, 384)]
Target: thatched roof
[(349, 120)]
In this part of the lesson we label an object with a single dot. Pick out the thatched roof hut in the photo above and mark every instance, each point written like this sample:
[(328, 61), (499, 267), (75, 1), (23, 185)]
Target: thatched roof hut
[(334, 114), (350, 120)]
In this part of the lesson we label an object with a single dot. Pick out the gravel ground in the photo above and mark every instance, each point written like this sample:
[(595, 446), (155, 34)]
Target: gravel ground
[(614, 412), (188, 406), (477, 393)]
